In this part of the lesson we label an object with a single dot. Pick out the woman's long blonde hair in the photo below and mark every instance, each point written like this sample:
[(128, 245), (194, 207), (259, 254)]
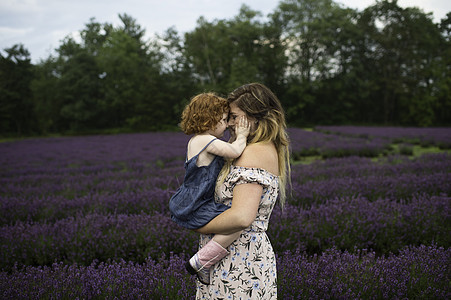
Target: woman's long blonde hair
[(259, 102)]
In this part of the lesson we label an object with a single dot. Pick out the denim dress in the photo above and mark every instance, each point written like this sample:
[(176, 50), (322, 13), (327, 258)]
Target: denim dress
[(193, 204)]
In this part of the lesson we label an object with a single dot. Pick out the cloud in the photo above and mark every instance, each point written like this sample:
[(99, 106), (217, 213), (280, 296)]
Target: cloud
[(439, 8), (11, 31), (10, 36), (19, 6), (41, 24)]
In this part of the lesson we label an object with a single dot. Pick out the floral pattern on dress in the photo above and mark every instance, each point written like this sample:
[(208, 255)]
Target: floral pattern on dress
[(249, 272)]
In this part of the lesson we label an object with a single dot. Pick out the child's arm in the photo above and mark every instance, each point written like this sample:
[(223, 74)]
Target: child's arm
[(232, 150), (226, 239)]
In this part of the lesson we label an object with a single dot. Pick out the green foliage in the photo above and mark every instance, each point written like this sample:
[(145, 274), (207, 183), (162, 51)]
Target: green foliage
[(16, 108), (327, 63), (405, 149), (225, 54), (402, 49)]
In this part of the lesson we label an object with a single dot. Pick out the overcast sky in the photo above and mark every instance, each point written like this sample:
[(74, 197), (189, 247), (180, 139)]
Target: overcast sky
[(41, 24)]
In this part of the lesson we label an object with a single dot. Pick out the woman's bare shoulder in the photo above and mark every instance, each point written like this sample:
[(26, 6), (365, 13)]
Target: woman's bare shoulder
[(260, 155)]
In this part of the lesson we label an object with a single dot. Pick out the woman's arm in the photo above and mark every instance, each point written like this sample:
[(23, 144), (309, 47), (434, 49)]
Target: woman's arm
[(246, 197)]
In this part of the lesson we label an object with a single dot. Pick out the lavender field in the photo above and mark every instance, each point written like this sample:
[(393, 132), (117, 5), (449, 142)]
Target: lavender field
[(87, 217)]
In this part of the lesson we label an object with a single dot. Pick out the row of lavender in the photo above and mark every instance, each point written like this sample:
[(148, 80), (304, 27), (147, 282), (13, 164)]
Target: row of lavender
[(105, 198), (149, 147), (384, 226), (342, 141), (316, 143), (132, 188), (440, 137), (94, 150), (416, 273), (332, 202)]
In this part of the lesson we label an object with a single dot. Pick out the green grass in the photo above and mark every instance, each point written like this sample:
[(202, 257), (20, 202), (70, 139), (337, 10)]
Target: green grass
[(410, 151), (305, 160), (418, 150)]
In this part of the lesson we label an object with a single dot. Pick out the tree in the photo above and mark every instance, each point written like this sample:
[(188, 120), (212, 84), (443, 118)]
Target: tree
[(327, 63), (402, 47), (442, 74), (309, 30), (45, 96), (111, 79), (177, 81), (225, 54), (317, 50), (16, 106), (131, 78), (78, 87), (208, 49)]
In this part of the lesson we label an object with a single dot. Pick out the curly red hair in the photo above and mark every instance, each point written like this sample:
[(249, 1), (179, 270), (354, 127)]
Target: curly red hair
[(203, 113)]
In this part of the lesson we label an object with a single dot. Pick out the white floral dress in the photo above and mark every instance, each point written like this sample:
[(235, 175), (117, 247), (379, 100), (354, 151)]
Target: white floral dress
[(249, 272)]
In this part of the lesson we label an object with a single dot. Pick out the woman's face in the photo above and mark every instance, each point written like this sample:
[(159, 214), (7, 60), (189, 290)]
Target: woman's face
[(235, 114)]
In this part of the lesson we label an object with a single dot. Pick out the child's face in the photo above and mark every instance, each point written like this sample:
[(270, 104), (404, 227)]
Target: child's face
[(220, 127)]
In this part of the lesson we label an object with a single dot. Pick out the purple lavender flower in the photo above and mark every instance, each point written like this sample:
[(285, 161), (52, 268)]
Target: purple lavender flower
[(87, 217)]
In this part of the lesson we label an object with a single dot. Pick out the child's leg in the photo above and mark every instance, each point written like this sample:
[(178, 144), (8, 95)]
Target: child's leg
[(226, 239), (210, 254)]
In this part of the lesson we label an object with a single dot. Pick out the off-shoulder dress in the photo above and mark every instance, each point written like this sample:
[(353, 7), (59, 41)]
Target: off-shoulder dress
[(249, 272)]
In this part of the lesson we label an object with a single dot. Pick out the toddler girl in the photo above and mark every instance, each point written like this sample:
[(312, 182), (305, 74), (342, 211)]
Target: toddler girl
[(193, 204)]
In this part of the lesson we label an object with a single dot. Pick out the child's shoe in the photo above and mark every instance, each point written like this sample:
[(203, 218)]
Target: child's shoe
[(207, 256)]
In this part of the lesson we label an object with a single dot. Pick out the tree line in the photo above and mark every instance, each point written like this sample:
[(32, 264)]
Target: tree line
[(329, 65)]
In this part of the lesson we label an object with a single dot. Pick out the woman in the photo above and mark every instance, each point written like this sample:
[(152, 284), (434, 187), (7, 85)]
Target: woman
[(193, 205), (250, 184)]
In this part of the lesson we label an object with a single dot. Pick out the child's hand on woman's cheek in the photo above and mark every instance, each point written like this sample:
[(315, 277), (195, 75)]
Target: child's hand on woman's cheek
[(243, 126)]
